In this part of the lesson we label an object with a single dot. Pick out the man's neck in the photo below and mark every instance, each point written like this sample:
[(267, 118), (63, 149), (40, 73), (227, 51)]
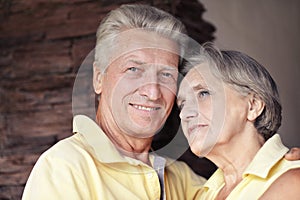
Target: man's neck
[(127, 145), (137, 148)]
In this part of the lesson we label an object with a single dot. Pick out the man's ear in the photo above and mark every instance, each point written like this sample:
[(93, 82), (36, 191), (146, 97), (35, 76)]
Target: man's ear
[(256, 107), (97, 78)]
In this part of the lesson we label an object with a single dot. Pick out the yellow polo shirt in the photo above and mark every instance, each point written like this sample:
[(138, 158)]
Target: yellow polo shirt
[(88, 166), (267, 165)]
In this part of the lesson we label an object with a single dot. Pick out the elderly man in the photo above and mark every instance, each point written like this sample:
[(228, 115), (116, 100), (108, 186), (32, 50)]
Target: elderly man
[(138, 51), (135, 75)]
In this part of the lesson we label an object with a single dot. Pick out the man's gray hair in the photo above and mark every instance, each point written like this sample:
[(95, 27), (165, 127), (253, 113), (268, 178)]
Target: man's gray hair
[(246, 76), (135, 16)]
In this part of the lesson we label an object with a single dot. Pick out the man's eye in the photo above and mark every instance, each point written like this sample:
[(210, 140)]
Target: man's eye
[(132, 69), (168, 75)]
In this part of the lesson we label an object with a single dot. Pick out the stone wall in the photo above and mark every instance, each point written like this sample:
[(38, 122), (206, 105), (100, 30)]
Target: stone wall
[(42, 44)]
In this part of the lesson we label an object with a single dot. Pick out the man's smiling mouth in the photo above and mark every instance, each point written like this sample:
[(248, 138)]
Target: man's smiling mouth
[(145, 108)]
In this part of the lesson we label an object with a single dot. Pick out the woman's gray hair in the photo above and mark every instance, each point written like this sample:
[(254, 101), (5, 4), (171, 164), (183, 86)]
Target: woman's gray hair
[(135, 16), (246, 76)]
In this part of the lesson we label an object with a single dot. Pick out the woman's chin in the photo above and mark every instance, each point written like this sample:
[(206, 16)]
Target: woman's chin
[(200, 150)]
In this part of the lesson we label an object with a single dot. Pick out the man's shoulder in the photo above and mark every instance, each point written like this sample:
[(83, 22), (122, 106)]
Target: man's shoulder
[(69, 149)]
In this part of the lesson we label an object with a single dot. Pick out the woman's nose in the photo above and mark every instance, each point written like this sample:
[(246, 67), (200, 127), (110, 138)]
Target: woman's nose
[(188, 112)]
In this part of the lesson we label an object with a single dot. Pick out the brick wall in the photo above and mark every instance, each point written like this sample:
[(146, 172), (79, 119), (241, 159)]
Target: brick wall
[(42, 44)]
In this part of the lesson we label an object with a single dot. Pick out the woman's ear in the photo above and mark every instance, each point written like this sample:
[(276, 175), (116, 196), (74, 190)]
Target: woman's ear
[(256, 107), (97, 78)]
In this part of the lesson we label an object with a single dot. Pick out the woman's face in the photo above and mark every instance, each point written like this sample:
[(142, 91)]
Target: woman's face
[(212, 113)]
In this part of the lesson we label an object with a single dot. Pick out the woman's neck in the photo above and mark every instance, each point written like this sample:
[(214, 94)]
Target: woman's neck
[(234, 156)]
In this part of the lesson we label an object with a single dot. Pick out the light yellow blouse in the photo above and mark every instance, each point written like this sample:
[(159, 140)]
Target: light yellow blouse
[(265, 168)]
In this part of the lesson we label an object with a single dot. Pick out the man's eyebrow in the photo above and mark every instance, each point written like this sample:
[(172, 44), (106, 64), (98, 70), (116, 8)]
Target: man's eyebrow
[(168, 67), (138, 62)]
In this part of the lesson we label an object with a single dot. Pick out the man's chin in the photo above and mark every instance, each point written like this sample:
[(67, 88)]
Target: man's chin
[(144, 131)]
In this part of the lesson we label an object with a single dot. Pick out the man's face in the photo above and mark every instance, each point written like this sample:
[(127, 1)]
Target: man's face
[(139, 86)]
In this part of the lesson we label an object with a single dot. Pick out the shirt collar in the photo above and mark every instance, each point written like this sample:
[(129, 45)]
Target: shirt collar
[(267, 156), (216, 181), (100, 144)]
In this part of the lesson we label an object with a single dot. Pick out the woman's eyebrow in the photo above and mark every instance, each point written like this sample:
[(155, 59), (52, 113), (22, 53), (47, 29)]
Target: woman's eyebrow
[(179, 99), (198, 87)]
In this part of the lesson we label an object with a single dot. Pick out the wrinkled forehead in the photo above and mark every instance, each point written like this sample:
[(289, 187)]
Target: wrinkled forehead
[(195, 76), (200, 75), (137, 39)]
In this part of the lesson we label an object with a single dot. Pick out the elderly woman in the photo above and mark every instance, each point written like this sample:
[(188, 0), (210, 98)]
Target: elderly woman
[(230, 113)]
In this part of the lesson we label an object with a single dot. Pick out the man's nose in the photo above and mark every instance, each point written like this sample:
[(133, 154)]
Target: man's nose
[(151, 87), (151, 90)]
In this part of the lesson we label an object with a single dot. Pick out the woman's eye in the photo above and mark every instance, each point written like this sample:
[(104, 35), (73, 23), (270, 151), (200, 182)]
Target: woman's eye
[(180, 106), (203, 94)]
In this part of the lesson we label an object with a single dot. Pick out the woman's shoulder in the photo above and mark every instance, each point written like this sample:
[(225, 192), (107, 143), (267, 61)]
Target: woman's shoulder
[(285, 186)]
